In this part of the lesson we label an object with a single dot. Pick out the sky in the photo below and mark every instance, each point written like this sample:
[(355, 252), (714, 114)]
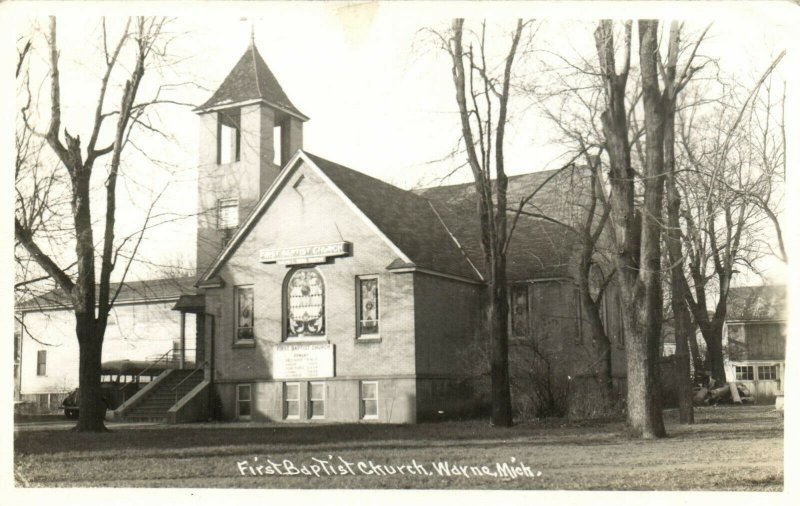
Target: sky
[(377, 90)]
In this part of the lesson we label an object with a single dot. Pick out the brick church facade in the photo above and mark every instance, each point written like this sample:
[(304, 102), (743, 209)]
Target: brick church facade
[(327, 295)]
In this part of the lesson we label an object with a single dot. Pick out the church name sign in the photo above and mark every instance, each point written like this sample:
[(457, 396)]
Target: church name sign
[(296, 361), (305, 254)]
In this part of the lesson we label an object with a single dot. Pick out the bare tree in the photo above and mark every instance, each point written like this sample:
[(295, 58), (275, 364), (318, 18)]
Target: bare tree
[(637, 229), (73, 163), (674, 81), (732, 167), (482, 100)]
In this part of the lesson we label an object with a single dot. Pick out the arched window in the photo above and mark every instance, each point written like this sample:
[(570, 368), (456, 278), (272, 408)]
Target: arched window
[(304, 295)]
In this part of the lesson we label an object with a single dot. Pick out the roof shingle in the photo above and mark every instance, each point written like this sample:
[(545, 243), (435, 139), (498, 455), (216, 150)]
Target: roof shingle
[(251, 79)]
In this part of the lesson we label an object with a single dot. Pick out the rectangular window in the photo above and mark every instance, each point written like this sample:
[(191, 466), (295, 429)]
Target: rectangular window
[(368, 315), (228, 136), (291, 400), (227, 214), (744, 372), (767, 372), (41, 363), (277, 145), (244, 401), (519, 310), (316, 400), (244, 313), (369, 400)]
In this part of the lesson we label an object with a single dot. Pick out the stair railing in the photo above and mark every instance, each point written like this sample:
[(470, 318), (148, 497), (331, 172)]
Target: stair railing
[(135, 378), (175, 388)]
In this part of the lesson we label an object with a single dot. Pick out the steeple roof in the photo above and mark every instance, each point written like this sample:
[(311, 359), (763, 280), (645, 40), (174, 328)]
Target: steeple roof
[(251, 79)]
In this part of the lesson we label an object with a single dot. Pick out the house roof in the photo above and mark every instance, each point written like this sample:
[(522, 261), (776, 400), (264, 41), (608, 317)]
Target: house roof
[(132, 291), (251, 79), (538, 248), (405, 218), (754, 303), (437, 229)]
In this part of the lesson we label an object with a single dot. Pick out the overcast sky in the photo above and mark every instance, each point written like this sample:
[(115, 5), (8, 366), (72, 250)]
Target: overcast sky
[(378, 93)]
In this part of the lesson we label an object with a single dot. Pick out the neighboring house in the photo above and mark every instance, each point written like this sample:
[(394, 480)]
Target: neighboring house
[(141, 326), (755, 336)]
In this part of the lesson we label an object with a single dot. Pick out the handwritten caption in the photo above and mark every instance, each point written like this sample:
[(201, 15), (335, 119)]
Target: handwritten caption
[(338, 466)]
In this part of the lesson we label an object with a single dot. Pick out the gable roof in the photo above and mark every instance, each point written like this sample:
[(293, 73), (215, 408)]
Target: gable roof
[(251, 79), (437, 229), (132, 291), (753, 303), (407, 219), (538, 248)]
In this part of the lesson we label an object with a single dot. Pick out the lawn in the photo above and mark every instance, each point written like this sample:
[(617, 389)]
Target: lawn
[(729, 448)]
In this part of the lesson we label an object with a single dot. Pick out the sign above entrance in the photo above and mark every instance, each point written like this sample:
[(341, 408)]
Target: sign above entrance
[(305, 254), (295, 361)]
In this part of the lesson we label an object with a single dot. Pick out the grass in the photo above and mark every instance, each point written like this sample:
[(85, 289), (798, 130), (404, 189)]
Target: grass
[(729, 448)]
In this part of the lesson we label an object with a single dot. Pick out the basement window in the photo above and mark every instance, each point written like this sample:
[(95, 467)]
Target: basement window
[(244, 401), (229, 136), (316, 400), (369, 400), (291, 400)]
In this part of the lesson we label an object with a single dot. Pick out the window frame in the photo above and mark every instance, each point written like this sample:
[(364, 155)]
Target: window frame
[(237, 340), (773, 368), (512, 287), (311, 400), (285, 335), (227, 120), (362, 400), (249, 401), (286, 400), (41, 363), (225, 203), (738, 370), (360, 335)]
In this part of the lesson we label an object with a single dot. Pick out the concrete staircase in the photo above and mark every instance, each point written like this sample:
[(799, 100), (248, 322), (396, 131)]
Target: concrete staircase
[(154, 405)]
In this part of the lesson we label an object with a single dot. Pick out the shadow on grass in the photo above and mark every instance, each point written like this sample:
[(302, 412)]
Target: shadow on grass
[(748, 423)]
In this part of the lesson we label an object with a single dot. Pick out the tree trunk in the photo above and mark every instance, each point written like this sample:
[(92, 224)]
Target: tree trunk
[(92, 404), (715, 357), (683, 327), (602, 345), (498, 323), (644, 393), (679, 288)]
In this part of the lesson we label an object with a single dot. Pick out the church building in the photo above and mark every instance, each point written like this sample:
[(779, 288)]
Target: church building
[(327, 295)]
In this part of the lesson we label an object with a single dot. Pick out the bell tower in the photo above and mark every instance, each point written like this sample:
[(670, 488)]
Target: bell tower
[(249, 129)]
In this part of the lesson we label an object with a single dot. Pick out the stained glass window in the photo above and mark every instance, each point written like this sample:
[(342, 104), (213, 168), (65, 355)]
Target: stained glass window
[(244, 312), (305, 304), (368, 306), (519, 310)]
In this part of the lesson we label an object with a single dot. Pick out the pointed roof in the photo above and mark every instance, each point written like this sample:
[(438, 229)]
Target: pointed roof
[(251, 79)]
